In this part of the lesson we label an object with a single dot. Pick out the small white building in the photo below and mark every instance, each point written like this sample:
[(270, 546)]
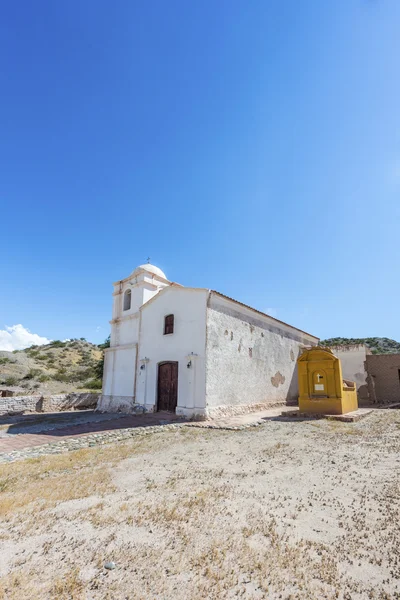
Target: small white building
[(194, 351)]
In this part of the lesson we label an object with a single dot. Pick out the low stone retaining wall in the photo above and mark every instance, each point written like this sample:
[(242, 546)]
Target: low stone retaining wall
[(58, 402), (233, 410)]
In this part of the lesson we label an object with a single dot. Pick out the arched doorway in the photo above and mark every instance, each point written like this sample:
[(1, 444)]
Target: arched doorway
[(167, 392)]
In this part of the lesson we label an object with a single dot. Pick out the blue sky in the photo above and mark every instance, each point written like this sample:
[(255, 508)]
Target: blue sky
[(251, 147)]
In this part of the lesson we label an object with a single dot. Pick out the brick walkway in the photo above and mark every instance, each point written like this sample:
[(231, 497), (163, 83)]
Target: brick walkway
[(18, 435), (50, 434)]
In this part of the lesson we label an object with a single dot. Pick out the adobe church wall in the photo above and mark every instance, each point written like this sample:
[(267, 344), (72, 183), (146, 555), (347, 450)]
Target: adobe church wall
[(250, 361), (383, 378)]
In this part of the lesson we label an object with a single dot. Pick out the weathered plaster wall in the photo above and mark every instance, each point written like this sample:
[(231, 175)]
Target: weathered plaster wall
[(352, 359), (384, 378), (189, 309), (251, 359)]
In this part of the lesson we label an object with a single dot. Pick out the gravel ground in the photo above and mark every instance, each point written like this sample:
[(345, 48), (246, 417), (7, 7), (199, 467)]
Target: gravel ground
[(289, 509)]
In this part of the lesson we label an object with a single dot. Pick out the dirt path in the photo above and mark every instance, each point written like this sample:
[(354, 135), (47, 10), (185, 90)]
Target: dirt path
[(291, 510)]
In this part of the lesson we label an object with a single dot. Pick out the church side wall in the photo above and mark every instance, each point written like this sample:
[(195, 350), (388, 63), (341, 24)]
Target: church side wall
[(250, 359), (189, 309)]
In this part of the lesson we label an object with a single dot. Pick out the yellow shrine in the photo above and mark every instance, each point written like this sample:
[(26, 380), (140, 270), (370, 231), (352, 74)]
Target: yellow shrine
[(322, 389)]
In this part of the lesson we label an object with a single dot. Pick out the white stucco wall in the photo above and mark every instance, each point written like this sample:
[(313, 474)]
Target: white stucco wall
[(120, 364), (352, 359), (251, 358), (189, 309), (119, 378)]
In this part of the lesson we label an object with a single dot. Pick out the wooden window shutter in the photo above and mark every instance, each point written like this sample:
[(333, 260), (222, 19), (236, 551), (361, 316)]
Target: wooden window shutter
[(169, 324)]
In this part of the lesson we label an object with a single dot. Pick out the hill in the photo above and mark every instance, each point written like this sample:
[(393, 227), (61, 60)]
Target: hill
[(378, 345), (58, 367)]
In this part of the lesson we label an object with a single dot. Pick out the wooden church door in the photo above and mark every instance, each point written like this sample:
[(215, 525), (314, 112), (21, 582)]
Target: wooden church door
[(167, 386)]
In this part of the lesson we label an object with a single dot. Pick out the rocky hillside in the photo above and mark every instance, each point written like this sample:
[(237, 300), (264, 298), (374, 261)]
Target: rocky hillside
[(378, 345), (75, 365)]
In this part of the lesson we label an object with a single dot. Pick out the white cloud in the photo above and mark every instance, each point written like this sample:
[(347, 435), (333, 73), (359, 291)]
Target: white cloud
[(272, 312), (17, 337)]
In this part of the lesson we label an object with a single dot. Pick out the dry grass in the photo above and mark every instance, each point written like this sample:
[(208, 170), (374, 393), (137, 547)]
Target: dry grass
[(58, 478), (297, 511), (49, 480)]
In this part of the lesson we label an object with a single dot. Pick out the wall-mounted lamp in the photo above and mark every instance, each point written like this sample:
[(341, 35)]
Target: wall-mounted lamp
[(144, 361), (189, 364)]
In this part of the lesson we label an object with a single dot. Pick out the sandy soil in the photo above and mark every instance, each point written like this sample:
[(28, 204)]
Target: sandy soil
[(291, 510)]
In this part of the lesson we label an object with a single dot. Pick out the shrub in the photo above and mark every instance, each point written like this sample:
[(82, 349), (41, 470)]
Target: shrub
[(33, 373), (42, 357), (99, 368), (61, 375), (105, 344), (11, 381), (57, 344), (5, 360), (93, 384), (43, 378)]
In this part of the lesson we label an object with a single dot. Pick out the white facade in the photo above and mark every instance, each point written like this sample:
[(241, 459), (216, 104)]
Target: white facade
[(226, 357)]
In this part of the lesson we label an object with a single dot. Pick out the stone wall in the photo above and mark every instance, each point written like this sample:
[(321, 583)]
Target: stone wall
[(56, 403), (17, 404), (383, 378)]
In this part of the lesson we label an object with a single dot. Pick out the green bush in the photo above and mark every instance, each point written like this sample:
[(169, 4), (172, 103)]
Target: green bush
[(43, 378), (93, 384), (33, 373), (11, 381), (99, 368), (5, 360), (42, 357), (61, 375), (57, 344)]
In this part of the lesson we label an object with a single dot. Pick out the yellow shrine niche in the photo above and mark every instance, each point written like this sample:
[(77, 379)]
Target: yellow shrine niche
[(322, 389)]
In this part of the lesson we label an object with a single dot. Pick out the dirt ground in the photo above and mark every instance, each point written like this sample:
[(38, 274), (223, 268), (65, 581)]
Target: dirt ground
[(288, 510)]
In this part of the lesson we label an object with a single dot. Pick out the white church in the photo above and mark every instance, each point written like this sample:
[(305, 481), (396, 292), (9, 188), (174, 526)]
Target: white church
[(195, 351)]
